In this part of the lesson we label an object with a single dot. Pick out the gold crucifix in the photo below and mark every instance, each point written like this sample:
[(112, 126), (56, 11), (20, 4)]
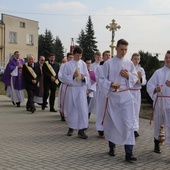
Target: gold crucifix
[(113, 26)]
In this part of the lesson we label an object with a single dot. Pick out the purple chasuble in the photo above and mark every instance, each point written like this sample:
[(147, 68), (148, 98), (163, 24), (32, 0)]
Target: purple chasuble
[(18, 82), (92, 76)]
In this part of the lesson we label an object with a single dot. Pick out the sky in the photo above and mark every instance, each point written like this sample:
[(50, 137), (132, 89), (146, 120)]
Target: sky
[(145, 24)]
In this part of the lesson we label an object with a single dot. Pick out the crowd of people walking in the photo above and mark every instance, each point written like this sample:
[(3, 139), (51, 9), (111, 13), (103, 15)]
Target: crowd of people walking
[(109, 88)]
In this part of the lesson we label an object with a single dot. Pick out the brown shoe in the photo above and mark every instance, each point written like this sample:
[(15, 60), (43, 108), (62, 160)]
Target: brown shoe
[(101, 134), (63, 119)]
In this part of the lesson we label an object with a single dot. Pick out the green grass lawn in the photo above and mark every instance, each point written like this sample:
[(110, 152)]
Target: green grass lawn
[(2, 88)]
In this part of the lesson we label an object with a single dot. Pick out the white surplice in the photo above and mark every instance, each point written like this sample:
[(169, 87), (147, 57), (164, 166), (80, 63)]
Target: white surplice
[(161, 101), (76, 98), (94, 66), (92, 104), (119, 117), (16, 95), (100, 101), (62, 91), (136, 93)]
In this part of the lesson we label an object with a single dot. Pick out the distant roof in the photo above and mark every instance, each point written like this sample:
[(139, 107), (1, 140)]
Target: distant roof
[(17, 17)]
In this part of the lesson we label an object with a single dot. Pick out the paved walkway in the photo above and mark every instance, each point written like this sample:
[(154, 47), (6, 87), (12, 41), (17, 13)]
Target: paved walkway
[(38, 142)]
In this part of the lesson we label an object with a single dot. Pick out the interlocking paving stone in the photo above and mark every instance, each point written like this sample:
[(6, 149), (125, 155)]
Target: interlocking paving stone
[(38, 142)]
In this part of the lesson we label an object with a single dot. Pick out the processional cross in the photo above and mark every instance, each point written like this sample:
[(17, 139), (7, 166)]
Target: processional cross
[(113, 26)]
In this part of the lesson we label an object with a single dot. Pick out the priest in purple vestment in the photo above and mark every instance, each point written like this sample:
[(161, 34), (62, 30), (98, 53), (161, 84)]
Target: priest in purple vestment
[(13, 80)]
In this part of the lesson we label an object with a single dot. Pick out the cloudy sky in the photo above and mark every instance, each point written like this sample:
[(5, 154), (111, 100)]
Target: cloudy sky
[(145, 24)]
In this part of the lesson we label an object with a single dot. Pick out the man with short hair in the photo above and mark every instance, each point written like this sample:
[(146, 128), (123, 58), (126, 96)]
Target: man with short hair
[(13, 80), (63, 88), (75, 75), (135, 90), (100, 99), (31, 74), (92, 104), (118, 76), (91, 86), (50, 72), (158, 87), (38, 97)]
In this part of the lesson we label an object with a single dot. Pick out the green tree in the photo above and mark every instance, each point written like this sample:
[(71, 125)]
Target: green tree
[(87, 40), (40, 45), (151, 64), (58, 49), (81, 39), (48, 43), (145, 57)]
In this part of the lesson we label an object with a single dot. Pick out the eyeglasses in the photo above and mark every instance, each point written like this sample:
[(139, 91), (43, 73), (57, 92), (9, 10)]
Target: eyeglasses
[(42, 60)]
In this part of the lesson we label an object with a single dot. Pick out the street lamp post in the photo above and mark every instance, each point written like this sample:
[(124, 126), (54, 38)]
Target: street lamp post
[(113, 27)]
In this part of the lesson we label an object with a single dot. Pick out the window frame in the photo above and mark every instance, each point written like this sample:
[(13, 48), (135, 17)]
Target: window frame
[(12, 37)]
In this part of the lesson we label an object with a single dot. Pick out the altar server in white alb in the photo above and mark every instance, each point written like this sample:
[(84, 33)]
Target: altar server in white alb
[(118, 120), (76, 76), (98, 58), (100, 97), (92, 104), (135, 90), (63, 87), (158, 88), (91, 86)]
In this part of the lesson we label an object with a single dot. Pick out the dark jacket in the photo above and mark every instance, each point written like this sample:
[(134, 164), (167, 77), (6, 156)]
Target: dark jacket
[(47, 73), (27, 76)]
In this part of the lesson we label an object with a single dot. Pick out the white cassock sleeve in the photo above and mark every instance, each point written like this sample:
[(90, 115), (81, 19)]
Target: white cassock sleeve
[(103, 82), (60, 72), (15, 72), (151, 85), (133, 76), (143, 77)]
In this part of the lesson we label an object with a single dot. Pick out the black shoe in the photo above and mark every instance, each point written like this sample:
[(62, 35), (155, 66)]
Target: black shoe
[(18, 104), (33, 110), (136, 134), (40, 104), (70, 132), (130, 158), (89, 115), (111, 152), (157, 151), (13, 103), (43, 107), (28, 109), (157, 147), (81, 134), (53, 110), (63, 119)]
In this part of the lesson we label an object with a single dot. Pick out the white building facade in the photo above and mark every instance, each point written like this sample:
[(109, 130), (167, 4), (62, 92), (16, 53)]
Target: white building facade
[(17, 34)]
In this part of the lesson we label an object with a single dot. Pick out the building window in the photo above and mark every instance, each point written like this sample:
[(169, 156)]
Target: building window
[(12, 37), (30, 40), (22, 24)]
